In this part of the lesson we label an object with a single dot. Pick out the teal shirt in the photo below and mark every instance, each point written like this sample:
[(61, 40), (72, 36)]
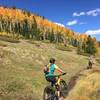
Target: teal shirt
[(51, 70)]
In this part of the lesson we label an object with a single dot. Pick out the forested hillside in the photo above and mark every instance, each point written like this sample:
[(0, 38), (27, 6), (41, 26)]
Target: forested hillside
[(23, 24), (28, 41)]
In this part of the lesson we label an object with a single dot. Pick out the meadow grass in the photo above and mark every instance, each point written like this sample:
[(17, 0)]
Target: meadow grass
[(87, 86), (21, 68)]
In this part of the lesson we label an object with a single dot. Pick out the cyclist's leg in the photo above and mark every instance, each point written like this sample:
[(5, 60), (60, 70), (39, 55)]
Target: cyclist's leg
[(51, 79), (55, 81), (57, 84), (58, 81), (58, 91), (90, 65), (59, 88)]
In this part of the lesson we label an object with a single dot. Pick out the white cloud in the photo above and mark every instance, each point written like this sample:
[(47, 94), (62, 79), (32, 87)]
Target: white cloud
[(78, 14), (73, 22), (98, 9), (94, 12), (60, 24), (93, 32)]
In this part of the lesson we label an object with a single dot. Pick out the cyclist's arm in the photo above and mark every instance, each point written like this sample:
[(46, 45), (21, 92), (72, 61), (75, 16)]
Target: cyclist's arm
[(61, 71)]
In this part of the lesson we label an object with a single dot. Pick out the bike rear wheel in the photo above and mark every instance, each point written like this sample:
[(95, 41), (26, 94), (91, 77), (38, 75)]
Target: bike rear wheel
[(49, 93)]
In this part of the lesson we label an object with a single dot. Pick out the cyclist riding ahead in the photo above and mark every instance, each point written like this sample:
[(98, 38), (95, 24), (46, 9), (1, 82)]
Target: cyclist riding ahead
[(51, 77)]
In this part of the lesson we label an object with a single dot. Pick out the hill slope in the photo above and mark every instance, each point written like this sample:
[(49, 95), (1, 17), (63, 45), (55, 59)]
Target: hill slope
[(87, 87), (18, 23), (21, 68)]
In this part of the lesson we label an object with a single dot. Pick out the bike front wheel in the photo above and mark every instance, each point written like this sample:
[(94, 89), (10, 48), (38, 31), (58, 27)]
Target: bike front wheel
[(63, 88)]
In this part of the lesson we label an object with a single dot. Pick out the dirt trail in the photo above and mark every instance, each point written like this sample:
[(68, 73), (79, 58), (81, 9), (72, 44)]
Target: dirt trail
[(72, 82), (74, 79)]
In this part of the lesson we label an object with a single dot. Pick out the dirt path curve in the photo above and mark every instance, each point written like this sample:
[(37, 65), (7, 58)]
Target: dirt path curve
[(72, 82)]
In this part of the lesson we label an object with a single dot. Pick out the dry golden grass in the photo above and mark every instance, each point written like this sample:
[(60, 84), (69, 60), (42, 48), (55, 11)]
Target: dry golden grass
[(21, 68), (87, 86)]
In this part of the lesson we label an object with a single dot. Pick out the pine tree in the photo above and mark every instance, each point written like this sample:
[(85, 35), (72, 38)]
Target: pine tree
[(90, 46), (26, 29), (51, 36)]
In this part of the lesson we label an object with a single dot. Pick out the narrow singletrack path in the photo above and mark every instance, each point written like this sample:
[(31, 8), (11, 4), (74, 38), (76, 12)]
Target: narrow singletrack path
[(72, 81)]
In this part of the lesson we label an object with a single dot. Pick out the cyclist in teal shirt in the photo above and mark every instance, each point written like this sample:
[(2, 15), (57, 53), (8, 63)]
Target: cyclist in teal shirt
[(52, 67), (50, 75)]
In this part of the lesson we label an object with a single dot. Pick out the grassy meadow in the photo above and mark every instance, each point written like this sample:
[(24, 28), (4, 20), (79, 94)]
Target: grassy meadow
[(21, 68)]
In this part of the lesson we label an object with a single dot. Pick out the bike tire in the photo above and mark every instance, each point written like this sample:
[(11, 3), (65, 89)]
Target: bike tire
[(49, 93), (63, 88)]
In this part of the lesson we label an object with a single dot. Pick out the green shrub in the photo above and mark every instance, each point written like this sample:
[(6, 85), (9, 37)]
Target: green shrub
[(81, 52)]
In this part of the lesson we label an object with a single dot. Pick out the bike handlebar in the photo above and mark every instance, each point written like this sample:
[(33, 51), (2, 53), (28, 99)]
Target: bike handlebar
[(60, 75), (64, 74)]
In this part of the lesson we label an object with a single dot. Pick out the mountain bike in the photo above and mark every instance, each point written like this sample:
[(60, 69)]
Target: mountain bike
[(50, 91)]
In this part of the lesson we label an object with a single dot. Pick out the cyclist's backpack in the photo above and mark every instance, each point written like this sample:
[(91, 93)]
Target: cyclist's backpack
[(46, 69)]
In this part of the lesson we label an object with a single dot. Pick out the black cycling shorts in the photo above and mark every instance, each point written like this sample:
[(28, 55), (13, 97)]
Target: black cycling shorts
[(51, 79)]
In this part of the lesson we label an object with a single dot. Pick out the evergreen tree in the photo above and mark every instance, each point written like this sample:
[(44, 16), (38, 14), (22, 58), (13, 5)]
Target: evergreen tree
[(26, 29), (51, 36), (90, 46), (35, 32)]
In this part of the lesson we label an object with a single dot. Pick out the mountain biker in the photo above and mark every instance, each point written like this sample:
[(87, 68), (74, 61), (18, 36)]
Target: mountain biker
[(50, 77), (90, 63)]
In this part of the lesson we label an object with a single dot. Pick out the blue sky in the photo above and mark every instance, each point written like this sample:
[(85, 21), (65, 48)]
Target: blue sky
[(82, 16)]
